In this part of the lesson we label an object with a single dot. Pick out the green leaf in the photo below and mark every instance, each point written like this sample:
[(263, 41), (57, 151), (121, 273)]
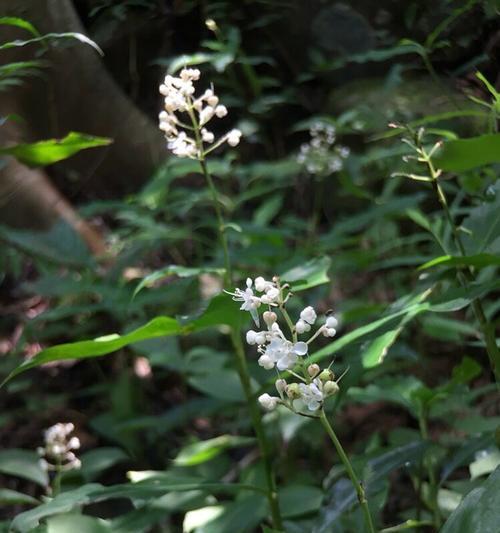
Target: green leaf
[(375, 353), (478, 511), (12, 497), (20, 23), (60, 243), (200, 452), (53, 150), (62, 503), (464, 154), (309, 274), (158, 327), (77, 522), (478, 261), (53, 37), (223, 385), (483, 226), (176, 270), (24, 464), (221, 310), (296, 500), (94, 462)]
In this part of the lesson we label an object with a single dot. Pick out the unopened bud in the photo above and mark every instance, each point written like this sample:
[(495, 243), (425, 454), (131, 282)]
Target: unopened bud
[(330, 388), (293, 391), (211, 25), (313, 370), (281, 386), (269, 317), (326, 375)]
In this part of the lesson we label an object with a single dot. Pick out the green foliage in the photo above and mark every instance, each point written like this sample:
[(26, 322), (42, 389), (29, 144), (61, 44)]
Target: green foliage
[(409, 268), (53, 150)]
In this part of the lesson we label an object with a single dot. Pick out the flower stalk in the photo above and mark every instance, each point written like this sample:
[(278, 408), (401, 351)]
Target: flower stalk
[(179, 97)]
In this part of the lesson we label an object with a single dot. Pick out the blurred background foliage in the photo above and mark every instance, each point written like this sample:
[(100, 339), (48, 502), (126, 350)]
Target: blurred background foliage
[(80, 234)]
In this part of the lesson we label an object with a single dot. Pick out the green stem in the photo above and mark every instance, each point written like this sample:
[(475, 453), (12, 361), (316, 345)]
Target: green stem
[(360, 491), (256, 417), (433, 486), (465, 275), (241, 363)]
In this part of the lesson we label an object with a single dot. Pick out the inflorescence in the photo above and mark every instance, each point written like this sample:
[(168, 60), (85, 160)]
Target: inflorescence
[(321, 155), (188, 137), (58, 454), (287, 354)]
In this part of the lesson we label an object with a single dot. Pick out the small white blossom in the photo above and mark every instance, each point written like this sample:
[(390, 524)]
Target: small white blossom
[(179, 97), (233, 137), (302, 327), (331, 322), (57, 453), (311, 394), (221, 111), (308, 315), (268, 402)]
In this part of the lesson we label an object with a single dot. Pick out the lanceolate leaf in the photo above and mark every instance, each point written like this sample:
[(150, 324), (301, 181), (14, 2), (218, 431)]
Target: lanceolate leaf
[(478, 261), (478, 511), (158, 327), (464, 154), (53, 150)]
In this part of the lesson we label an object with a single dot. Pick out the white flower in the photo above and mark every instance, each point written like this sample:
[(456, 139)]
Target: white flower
[(233, 137), (250, 302), (268, 402), (179, 97), (302, 327), (221, 111), (311, 394), (308, 315), (282, 353), (331, 322), (256, 337), (262, 285)]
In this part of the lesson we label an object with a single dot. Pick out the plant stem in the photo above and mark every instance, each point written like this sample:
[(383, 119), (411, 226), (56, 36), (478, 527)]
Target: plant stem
[(241, 363), (255, 415), (360, 491), (433, 486), (465, 275)]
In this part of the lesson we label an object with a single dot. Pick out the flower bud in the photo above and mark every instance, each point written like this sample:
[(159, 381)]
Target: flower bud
[(308, 315), (302, 327), (326, 375), (211, 25), (313, 370), (280, 386), (293, 391), (266, 362), (269, 317), (331, 322), (268, 402), (251, 337), (330, 388)]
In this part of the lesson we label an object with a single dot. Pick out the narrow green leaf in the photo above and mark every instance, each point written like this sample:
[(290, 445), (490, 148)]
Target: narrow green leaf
[(478, 261), (52, 37), (158, 327), (53, 150), (24, 464), (478, 511), (12, 497), (297, 500), (176, 270), (77, 522), (20, 23), (375, 353), (309, 274), (202, 451), (464, 154)]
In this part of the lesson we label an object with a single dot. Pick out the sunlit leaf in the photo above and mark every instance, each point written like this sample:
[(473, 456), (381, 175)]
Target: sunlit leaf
[(24, 464), (309, 274), (478, 511), (464, 154), (202, 451), (53, 150)]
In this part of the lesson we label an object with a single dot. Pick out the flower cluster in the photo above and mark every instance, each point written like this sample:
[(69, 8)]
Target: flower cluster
[(58, 454), (188, 138), (321, 156), (277, 351)]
